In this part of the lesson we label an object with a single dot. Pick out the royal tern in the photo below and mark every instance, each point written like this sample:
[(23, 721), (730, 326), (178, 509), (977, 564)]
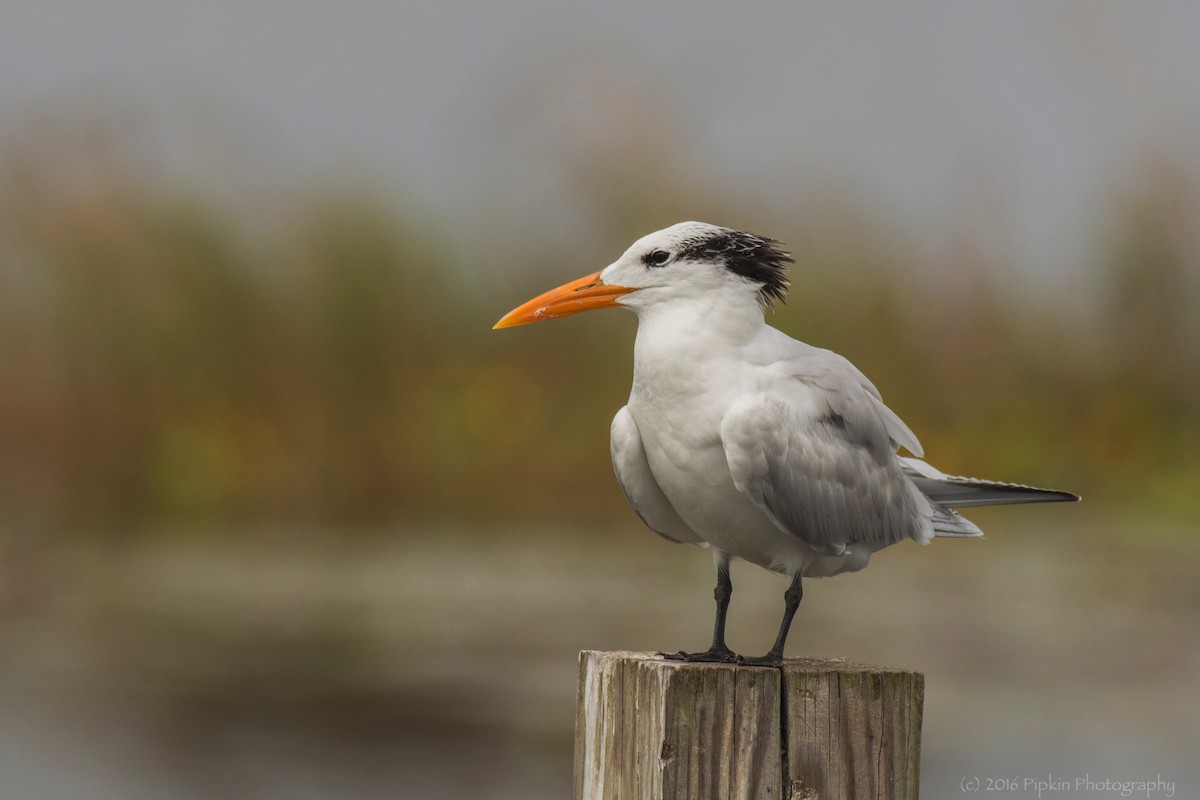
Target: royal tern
[(740, 438)]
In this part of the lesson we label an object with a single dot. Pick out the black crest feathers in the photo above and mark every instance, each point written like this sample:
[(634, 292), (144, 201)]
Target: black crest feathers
[(756, 258)]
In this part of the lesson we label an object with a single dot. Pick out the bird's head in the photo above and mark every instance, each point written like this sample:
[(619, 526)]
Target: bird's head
[(679, 264)]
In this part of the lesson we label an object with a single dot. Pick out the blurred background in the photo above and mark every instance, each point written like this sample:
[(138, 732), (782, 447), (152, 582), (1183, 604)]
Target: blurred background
[(281, 517)]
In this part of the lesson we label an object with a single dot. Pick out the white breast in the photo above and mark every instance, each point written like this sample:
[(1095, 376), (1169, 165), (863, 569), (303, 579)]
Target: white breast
[(678, 404)]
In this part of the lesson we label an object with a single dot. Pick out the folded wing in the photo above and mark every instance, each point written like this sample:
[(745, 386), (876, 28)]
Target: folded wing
[(820, 460)]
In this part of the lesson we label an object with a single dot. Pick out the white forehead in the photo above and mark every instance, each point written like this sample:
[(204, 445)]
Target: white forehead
[(678, 235)]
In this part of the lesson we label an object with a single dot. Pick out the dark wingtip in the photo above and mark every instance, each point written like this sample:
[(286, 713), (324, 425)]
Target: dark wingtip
[(1050, 496)]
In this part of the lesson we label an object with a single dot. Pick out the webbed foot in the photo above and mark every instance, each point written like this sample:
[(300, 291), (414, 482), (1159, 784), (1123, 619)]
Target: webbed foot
[(771, 659), (713, 655)]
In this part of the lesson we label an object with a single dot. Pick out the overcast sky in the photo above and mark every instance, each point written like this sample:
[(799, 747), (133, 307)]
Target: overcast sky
[(916, 109)]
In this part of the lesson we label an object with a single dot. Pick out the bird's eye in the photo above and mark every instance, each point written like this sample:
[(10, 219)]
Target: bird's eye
[(657, 258)]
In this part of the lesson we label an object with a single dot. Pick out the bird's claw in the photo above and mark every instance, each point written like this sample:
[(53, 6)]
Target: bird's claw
[(769, 660), (710, 656)]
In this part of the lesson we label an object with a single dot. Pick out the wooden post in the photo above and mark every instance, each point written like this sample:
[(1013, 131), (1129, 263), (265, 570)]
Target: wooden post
[(852, 730), (817, 729)]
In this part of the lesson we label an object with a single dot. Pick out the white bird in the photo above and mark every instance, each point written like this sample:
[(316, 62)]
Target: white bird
[(740, 438)]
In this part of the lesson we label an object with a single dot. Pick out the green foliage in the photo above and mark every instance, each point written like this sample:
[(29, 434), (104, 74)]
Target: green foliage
[(164, 360)]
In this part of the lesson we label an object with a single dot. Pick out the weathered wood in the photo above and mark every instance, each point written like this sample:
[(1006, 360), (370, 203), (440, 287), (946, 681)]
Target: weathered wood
[(852, 730), (651, 729)]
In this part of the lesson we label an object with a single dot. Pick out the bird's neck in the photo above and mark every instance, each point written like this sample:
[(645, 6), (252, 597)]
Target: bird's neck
[(674, 337)]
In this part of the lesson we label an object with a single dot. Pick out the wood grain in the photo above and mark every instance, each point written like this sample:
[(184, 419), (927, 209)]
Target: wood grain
[(651, 729), (853, 730)]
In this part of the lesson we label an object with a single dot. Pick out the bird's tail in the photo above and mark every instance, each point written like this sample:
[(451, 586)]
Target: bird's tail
[(949, 492), (947, 522)]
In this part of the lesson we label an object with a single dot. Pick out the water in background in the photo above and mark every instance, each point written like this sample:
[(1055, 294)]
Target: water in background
[(441, 663)]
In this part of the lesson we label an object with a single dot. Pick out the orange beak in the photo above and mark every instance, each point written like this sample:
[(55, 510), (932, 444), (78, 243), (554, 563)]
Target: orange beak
[(582, 295)]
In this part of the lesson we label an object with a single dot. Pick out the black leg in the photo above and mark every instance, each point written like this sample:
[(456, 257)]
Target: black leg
[(791, 600), (719, 652)]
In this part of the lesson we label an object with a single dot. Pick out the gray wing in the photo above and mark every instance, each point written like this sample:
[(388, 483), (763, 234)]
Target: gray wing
[(956, 491), (820, 461), (641, 489), (826, 370)]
